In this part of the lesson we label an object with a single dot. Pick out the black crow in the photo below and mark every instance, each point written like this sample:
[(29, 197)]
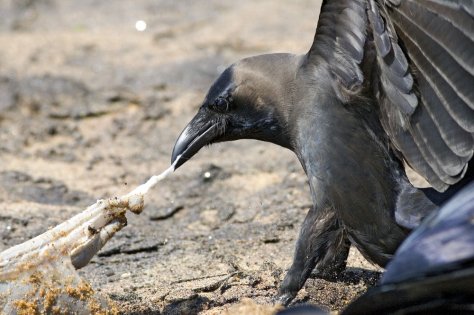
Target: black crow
[(433, 270), (385, 83)]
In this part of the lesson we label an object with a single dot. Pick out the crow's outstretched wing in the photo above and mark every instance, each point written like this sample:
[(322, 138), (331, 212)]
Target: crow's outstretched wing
[(416, 59), (425, 82)]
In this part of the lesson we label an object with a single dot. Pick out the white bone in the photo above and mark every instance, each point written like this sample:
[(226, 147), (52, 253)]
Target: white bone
[(68, 246)]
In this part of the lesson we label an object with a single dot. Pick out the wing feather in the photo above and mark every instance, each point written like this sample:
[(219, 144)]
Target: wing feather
[(418, 57), (340, 39), (438, 155), (435, 133), (450, 52), (459, 110), (456, 138)]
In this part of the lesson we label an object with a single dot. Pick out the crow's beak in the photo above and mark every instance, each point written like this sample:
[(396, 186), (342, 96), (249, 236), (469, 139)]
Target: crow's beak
[(199, 132)]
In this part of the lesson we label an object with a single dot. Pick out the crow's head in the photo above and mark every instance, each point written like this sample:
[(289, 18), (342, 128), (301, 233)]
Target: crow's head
[(250, 100)]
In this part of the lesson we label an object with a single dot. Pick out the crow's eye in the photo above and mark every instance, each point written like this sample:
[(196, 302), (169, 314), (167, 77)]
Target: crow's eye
[(222, 104)]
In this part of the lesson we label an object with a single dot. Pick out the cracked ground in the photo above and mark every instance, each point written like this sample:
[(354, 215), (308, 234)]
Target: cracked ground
[(90, 108)]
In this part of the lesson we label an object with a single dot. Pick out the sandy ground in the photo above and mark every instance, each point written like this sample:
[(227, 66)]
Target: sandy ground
[(90, 108)]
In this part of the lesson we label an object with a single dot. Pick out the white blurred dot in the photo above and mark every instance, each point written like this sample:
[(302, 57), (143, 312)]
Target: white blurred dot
[(207, 175), (140, 25)]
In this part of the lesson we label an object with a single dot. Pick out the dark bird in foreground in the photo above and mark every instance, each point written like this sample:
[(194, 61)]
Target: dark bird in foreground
[(431, 273), (433, 270), (385, 83)]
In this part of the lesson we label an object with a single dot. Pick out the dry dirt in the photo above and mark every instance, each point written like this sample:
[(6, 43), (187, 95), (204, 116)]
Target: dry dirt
[(90, 108)]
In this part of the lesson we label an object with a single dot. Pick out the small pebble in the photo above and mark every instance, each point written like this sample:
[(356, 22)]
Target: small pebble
[(110, 273)]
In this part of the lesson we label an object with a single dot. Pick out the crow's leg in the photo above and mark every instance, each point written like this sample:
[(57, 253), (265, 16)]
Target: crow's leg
[(335, 260), (323, 244)]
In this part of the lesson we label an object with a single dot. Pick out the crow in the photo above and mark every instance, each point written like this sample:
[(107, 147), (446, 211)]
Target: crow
[(432, 272), (386, 83)]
